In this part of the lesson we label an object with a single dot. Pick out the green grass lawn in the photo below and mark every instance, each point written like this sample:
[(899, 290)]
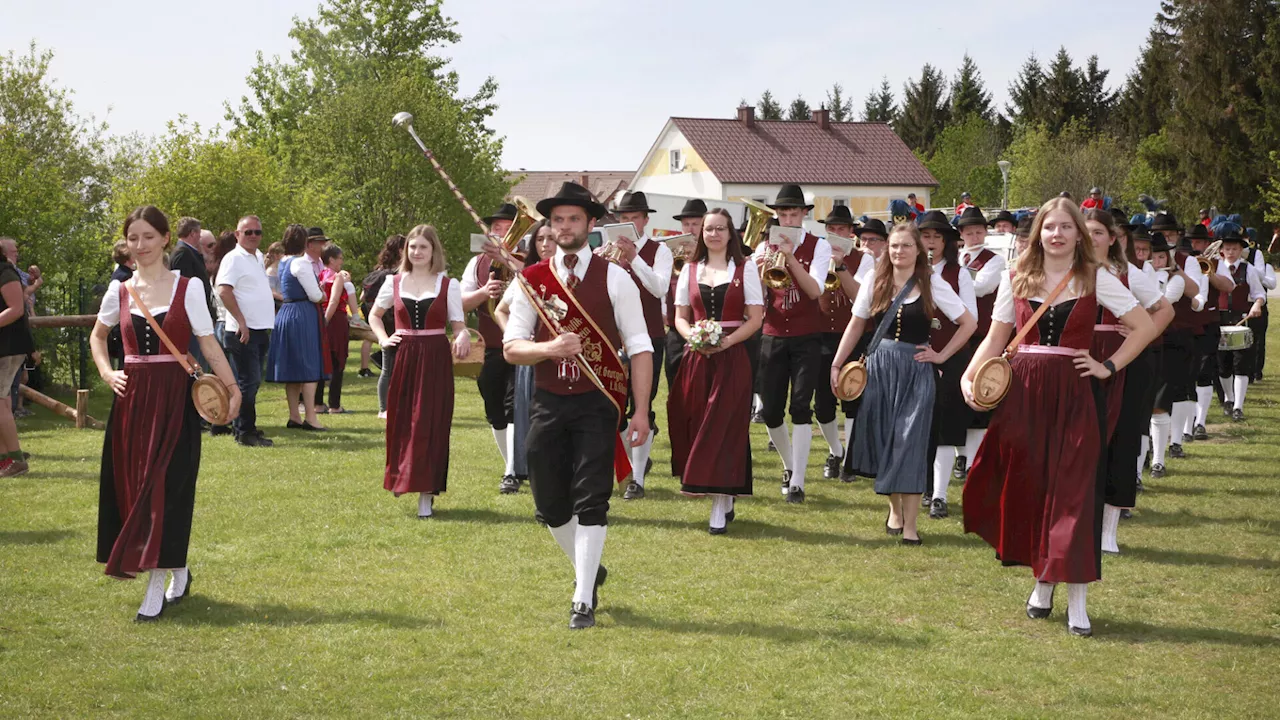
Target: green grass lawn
[(316, 593)]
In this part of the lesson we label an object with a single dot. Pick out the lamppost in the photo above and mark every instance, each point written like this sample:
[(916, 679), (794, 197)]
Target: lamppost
[(1004, 172)]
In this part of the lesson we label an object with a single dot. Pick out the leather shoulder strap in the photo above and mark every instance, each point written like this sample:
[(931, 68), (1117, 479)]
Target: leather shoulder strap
[(182, 359)]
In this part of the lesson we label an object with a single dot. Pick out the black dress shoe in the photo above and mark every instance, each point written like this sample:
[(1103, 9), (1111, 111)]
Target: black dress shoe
[(216, 430), (926, 501), (795, 496), (960, 469), (150, 618), (938, 509), (729, 516), (891, 530), (1157, 470), (1237, 415), (847, 477), (1080, 632), (717, 530), (1175, 451), (831, 470), (786, 482), (635, 491), (1125, 514), (602, 574), (1201, 433), (1036, 613), (365, 373), (291, 425), (185, 591), (757, 418), (909, 541), (253, 440), (1187, 437), (582, 617), (508, 485)]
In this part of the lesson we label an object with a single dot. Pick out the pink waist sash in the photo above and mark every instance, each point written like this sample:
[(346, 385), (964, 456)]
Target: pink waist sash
[(421, 333), (147, 359), (1047, 350)]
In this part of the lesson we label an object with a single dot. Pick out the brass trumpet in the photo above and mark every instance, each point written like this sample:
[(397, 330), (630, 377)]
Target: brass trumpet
[(1208, 260), (526, 216), (775, 270)]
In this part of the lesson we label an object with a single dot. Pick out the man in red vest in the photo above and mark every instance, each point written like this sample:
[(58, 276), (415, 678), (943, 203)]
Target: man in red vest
[(573, 442), (1245, 300), (791, 351), (649, 264), (497, 378)]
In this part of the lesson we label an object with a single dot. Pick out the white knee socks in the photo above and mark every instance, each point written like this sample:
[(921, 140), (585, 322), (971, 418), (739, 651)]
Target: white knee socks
[(972, 441), (1182, 412), (1110, 524), (782, 442), (177, 585), (801, 439), (1076, 615), (588, 547), (1041, 595), (1228, 390), (1142, 456), (720, 507), (566, 537), (1159, 438), (500, 437), (848, 431), (640, 458), (153, 601), (1204, 395), (509, 457), (1241, 387), (942, 464), (831, 433), (424, 504)]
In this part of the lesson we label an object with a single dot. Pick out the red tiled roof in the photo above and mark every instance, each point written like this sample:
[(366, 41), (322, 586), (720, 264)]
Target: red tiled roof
[(778, 151), (539, 184)]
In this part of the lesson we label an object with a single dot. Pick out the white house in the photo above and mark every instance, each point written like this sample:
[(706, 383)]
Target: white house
[(858, 164)]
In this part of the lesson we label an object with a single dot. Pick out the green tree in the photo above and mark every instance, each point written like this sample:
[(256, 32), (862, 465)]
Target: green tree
[(925, 110), (1146, 100), (1075, 159), (840, 106), (1063, 98), (879, 106), (799, 109), (1155, 166), (965, 161), (968, 94), (770, 109), (1097, 102), (1026, 93)]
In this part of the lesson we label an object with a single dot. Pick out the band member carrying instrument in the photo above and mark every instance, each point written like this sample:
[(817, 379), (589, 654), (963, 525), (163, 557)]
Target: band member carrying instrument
[(986, 268), (1205, 332), (573, 446), (649, 264), (690, 218), (496, 382), (791, 353), (1243, 302), (836, 305)]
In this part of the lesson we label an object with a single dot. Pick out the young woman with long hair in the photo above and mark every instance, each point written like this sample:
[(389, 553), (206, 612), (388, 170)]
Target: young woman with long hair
[(1033, 491), (709, 408), (420, 401), (296, 356), (895, 417)]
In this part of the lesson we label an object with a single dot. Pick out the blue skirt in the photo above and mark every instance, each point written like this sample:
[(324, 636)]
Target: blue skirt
[(894, 420), (294, 355)]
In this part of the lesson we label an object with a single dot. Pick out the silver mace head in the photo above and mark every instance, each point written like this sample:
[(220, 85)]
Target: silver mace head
[(402, 119)]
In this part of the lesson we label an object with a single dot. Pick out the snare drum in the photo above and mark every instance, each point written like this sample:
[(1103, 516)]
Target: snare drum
[(1235, 337)]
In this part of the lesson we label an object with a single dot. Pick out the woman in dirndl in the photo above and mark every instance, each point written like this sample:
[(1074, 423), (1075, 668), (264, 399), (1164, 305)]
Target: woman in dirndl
[(1033, 492), (709, 408), (1124, 392), (420, 401), (296, 356), (151, 452), (895, 417)]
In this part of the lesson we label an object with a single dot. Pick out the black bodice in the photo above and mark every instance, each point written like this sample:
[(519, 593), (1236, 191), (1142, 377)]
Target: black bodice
[(1053, 322), (910, 325), (713, 299), (417, 310), (148, 342)]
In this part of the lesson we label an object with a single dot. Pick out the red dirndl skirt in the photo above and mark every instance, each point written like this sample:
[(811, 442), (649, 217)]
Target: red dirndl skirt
[(1033, 490), (1105, 344), (709, 413), (419, 415)]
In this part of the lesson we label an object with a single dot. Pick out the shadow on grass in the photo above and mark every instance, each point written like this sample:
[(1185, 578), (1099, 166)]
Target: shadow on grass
[(627, 617), (480, 515), (1262, 493), (201, 610), (1182, 518), (1178, 557), (754, 530), (1141, 632), (35, 537)]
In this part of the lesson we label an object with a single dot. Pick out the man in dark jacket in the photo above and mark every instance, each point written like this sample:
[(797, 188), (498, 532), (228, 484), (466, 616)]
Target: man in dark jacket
[(188, 259)]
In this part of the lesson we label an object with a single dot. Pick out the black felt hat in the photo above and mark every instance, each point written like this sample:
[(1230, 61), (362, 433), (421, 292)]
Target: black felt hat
[(839, 215), (693, 207), (1004, 215), (790, 196), (506, 212), (1198, 232), (316, 234), (1159, 243), (1140, 232), (572, 193), (633, 202), (933, 220), (1232, 235), (1165, 222), (971, 216), (874, 226)]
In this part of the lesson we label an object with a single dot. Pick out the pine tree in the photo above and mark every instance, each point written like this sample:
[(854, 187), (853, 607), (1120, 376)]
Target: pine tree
[(925, 110), (968, 95), (880, 106), (1146, 100), (1062, 98), (769, 108), (1026, 93), (799, 109), (1097, 102), (840, 106)]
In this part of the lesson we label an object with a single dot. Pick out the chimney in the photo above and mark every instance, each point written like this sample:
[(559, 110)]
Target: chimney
[(747, 115), (822, 116), (585, 180)]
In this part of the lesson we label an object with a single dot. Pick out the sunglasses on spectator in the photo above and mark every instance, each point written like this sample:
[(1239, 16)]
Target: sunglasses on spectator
[(251, 232)]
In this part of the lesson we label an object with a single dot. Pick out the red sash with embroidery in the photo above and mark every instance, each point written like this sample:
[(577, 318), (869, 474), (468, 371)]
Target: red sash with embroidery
[(560, 311)]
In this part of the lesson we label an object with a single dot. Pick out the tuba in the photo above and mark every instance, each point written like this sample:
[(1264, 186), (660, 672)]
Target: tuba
[(526, 217), (774, 270)]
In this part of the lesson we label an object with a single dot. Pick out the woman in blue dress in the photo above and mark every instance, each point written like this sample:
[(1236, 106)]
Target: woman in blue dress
[(295, 357)]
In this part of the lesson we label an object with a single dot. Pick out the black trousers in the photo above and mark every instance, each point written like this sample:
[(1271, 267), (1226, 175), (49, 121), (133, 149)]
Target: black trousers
[(754, 345), (497, 384), (570, 450), (1259, 327), (1236, 362), (790, 363), (824, 401), (1121, 453), (659, 344), (1205, 357), (1177, 379), (675, 346)]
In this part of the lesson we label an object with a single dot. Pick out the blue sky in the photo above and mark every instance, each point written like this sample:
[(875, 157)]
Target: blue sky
[(582, 85)]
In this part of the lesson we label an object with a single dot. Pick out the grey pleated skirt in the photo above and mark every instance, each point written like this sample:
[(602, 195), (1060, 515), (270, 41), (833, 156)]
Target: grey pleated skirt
[(894, 420)]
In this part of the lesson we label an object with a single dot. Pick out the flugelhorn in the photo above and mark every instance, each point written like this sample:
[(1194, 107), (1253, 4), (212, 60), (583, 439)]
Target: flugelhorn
[(1208, 260), (526, 217)]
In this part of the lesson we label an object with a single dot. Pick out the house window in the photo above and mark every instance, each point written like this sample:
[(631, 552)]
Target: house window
[(761, 199), (677, 162), (839, 202)]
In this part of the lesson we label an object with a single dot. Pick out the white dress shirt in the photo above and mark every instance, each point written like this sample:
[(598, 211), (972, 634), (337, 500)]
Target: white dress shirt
[(623, 295), (966, 293), (988, 278), (866, 269), (1111, 294), (242, 271), (468, 279), (1173, 288), (655, 279), (1143, 288), (197, 307), (387, 296), (1252, 277)]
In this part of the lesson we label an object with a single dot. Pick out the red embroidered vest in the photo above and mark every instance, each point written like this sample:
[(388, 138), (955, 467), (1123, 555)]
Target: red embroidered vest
[(986, 303), (593, 295), (1236, 301), (943, 328), (485, 323), (651, 305)]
